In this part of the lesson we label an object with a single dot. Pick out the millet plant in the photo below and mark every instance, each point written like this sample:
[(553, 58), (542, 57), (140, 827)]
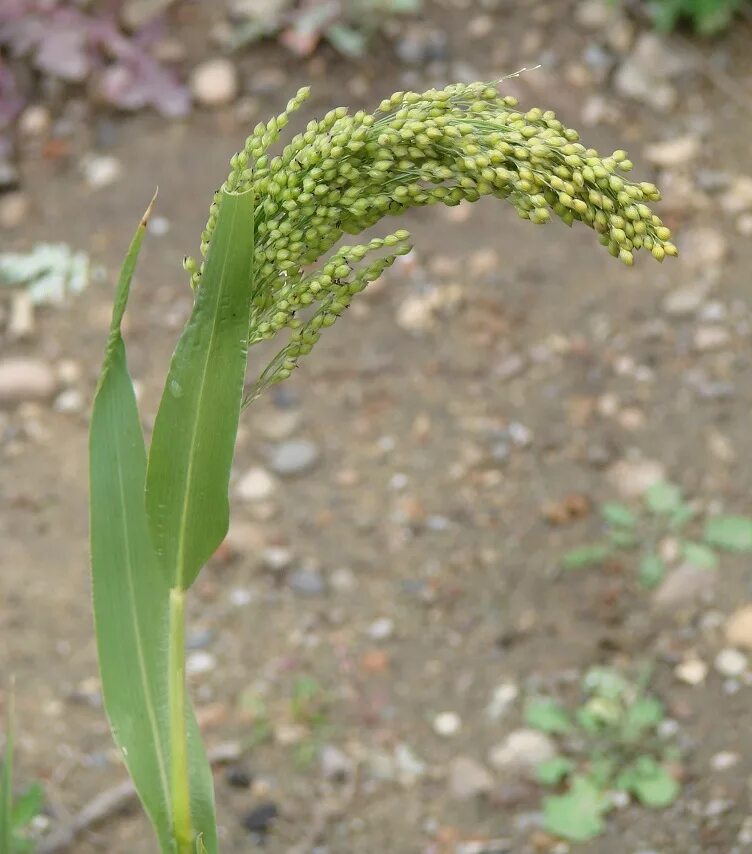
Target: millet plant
[(156, 519)]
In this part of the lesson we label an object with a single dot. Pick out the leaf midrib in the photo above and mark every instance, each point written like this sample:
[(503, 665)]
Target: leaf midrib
[(150, 707)]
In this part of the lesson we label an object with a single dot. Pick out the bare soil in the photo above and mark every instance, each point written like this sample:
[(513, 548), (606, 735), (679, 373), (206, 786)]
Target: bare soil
[(416, 510)]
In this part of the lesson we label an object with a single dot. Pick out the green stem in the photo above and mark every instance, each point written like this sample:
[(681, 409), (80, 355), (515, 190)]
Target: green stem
[(181, 796)]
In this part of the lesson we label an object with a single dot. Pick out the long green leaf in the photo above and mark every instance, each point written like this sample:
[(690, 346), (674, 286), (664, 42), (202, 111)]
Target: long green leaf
[(6, 780), (196, 425), (130, 593)]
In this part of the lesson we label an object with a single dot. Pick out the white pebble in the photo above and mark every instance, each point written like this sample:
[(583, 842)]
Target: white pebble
[(730, 662), (381, 629), (214, 82), (724, 760), (101, 170), (255, 485), (199, 662), (692, 671), (503, 697), (240, 597), (447, 724)]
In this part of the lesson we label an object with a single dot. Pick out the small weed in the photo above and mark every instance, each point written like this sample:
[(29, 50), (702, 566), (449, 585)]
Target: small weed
[(609, 745), (16, 813), (707, 17), (308, 707), (665, 515), (301, 27)]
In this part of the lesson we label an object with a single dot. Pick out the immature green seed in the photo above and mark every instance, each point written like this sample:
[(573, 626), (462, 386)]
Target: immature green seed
[(346, 172)]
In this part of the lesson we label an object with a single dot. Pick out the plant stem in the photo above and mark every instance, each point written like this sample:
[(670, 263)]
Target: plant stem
[(181, 800)]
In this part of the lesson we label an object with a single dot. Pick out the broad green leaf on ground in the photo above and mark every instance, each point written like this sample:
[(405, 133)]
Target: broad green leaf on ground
[(699, 555), (618, 515), (577, 815), (6, 780), (130, 592), (681, 515), (652, 571), (644, 714), (733, 533), (663, 498), (553, 771), (605, 682), (585, 556), (623, 538), (548, 716), (196, 425), (649, 782)]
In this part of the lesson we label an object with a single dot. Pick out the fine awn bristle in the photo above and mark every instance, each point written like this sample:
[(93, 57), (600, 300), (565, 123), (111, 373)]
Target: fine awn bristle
[(345, 172)]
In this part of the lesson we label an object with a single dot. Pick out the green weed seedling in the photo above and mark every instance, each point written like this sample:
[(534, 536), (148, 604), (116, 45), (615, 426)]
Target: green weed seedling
[(17, 813), (707, 17), (272, 271), (665, 513), (610, 746)]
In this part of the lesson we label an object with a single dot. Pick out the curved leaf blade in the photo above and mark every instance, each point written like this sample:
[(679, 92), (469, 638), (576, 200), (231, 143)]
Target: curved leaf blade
[(130, 593), (196, 426)]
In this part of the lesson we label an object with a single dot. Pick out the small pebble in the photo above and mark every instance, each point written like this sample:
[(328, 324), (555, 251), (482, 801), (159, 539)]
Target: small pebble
[(711, 338), (199, 662), (674, 152), (260, 819), (214, 82), (343, 579), (503, 696), (683, 301), (335, 764), (238, 777), (730, 662), (70, 401), (692, 671), (684, 586), (276, 558), (632, 478), (738, 628), (307, 582), (447, 724), (255, 485), (724, 760), (468, 778), (381, 629), (293, 457), (522, 750), (101, 170), (14, 209), (24, 379), (240, 597), (158, 225), (35, 120)]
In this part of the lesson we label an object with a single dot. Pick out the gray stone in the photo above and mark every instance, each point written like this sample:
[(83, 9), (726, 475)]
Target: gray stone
[(685, 585), (293, 457), (683, 301), (14, 209), (468, 778), (25, 379), (307, 582), (420, 44), (671, 153), (335, 764), (276, 558), (633, 477), (522, 751)]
